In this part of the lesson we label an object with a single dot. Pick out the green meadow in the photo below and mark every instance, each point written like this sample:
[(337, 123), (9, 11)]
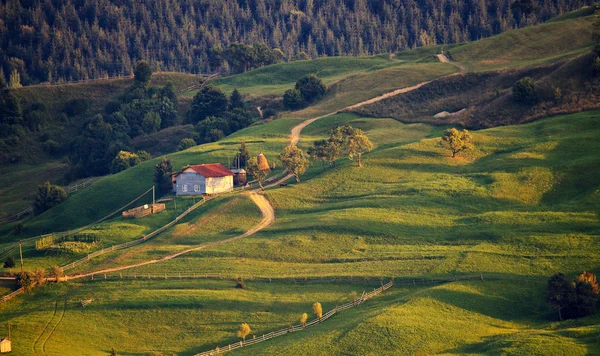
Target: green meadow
[(521, 206)]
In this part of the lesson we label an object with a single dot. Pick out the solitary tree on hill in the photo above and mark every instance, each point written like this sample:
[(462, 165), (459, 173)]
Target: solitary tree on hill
[(311, 88), (295, 161), (303, 319), (244, 331), (318, 310), (142, 73), (561, 294), (47, 197), (162, 175), (590, 278), (9, 263), (457, 141), (358, 144)]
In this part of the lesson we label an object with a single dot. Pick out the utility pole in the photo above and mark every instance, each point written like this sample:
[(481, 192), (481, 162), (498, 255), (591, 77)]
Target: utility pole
[(153, 195), (21, 253), (9, 331)]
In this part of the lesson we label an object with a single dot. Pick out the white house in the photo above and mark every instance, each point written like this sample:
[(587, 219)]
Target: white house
[(203, 179)]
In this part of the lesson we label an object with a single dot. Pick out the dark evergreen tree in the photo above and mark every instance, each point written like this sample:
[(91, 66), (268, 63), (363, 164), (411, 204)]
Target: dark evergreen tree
[(236, 100), (143, 73), (209, 101), (162, 176)]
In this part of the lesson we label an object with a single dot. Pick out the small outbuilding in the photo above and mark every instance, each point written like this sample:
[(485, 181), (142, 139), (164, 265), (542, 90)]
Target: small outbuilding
[(5, 346), (203, 179), (239, 176)]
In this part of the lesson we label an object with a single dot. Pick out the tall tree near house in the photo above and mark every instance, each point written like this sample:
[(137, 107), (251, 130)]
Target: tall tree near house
[(162, 175), (244, 331), (243, 155), (318, 152), (253, 169), (457, 141), (295, 161), (358, 144)]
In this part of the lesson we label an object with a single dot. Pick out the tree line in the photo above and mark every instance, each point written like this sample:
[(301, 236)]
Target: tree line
[(50, 41)]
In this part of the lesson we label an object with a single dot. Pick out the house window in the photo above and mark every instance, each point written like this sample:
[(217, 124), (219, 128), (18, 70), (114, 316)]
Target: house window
[(184, 188), (196, 188)]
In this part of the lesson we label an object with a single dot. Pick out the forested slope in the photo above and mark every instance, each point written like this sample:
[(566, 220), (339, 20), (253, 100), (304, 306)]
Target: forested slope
[(46, 40)]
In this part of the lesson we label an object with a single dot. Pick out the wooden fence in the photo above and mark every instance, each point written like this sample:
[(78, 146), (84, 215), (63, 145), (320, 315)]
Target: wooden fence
[(135, 242), (12, 295), (69, 189), (295, 328), (4, 252)]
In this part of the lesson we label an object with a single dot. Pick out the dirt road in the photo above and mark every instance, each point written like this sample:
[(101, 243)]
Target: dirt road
[(258, 199)]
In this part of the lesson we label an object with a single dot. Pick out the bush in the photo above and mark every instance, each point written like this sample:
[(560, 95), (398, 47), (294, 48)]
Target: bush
[(76, 107), (51, 146), (47, 197), (186, 143), (292, 99), (311, 88), (525, 91), (239, 283)]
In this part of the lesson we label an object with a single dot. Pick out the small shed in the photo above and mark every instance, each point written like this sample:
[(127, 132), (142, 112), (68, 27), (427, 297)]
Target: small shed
[(239, 176), (263, 164), (204, 179), (5, 346)]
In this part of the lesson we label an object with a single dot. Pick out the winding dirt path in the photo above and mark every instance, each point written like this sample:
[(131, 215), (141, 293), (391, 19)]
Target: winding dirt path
[(258, 199), (263, 204)]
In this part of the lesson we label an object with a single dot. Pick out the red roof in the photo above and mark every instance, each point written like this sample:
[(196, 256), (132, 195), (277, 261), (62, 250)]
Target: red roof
[(211, 170)]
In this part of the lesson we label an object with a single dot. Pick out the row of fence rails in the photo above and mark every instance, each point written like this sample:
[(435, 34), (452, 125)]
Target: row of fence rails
[(69, 189), (12, 295), (31, 240), (16, 216), (137, 241), (295, 328)]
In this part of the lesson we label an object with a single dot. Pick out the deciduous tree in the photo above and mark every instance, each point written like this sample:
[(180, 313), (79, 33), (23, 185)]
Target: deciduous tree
[(48, 196), (560, 293), (318, 310), (244, 331), (209, 101), (186, 143), (254, 170), (303, 319), (318, 152), (358, 144), (311, 88), (142, 73), (525, 91), (457, 141), (295, 161), (292, 99)]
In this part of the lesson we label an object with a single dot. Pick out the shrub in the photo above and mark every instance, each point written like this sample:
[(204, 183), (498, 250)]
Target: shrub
[(25, 280), (525, 91), (9, 263), (292, 99), (239, 283), (311, 88), (186, 143), (76, 107), (47, 197), (51, 146)]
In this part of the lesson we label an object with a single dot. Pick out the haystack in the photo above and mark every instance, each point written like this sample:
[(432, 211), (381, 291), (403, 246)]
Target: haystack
[(263, 164)]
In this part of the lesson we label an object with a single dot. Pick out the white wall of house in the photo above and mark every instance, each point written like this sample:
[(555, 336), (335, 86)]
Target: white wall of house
[(189, 182)]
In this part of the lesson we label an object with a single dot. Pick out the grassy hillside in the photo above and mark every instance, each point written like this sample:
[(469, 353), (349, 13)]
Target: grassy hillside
[(541, 44)]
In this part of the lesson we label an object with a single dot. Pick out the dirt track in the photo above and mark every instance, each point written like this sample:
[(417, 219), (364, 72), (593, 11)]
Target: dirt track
[(263, 204)]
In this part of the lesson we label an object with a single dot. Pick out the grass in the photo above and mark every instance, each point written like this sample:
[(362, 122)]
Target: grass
[(536, 45), (172, 316), (277, 78), (507, 207)]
